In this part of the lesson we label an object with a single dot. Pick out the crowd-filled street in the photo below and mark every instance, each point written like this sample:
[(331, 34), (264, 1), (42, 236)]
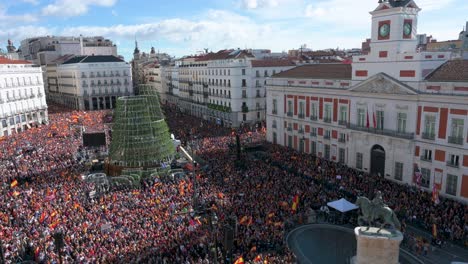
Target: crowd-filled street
[(43, 192)]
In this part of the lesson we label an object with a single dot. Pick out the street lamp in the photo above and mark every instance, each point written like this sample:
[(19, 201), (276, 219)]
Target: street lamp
[(214, 226), (58, 241)]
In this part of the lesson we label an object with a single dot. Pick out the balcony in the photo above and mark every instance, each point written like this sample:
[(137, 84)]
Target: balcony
[(455, 140), (452, 164), (430, 136), (327, 119), (425, 158), (300, 131), (290, 114), (313, 134), (342, 122), (385, 132), (245, 109), (326, 136), (289, 129), (342, 140), (273, 125), (313, 118), (244, 96), (301, 116), (274, 112)]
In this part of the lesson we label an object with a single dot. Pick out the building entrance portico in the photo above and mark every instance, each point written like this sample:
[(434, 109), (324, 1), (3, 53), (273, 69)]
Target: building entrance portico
[(377, 160)]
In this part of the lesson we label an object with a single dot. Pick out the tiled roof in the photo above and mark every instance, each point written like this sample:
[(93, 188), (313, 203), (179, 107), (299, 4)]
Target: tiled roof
[(318, 71), (4, 60), (272, 63), (224, 54), (93, 59), (453, 70), (62, 59)]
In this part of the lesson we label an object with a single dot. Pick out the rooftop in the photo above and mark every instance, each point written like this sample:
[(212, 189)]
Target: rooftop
[(318, 71), (453, 70), (272, 63), (4, 60), (224, 54), (93, 59)]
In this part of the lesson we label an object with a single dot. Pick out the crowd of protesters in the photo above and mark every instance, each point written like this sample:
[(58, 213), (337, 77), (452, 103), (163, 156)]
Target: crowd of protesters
[(43, 192)]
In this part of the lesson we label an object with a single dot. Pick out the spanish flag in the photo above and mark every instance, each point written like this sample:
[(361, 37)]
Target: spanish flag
[(42, 217), (13, 183), (16, 193), (243, 220), (258, 258), (54, 225), (240, 260), (295, 203)]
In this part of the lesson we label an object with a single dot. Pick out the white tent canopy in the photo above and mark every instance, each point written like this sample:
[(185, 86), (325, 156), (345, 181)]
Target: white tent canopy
[(342, 205)]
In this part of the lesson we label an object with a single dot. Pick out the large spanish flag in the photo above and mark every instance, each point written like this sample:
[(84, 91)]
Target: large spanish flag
[(13, 183), (240, 260)]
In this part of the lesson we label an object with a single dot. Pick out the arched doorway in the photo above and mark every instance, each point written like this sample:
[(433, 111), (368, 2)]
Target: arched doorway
[(377, 160)]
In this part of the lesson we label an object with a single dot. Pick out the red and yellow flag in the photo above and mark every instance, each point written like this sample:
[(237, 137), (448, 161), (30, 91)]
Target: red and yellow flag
[(258, 258), (13, 183), (16, 193), (240, 260), (295, 203)]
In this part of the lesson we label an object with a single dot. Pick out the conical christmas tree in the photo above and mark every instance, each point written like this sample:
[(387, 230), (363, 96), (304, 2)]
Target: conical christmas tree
[(140, 136)]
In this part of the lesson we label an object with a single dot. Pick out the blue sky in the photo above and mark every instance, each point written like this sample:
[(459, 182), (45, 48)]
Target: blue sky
[(183, 27)]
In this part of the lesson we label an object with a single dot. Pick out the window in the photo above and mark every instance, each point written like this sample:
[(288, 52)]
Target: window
[(380, 119), (274, 138), (341, 155), (257, 73), (398, 171), (290, 141), (327, 134), (401, 122), (244, 83), (4, 123), (273, 124), (313, 148), (258, 115), (244, 94), (301, 109), (327, 151), (243, 71), (361, 118), (328, 113), (342, 138), (427, 155), (457, 131), (453, 160), (426, 177), (275, 107), (313, 131), (244, 117), (359, 161), (290, 108), (313, 110), (429, 127), (265, 74), (343, 114), (451, 187)]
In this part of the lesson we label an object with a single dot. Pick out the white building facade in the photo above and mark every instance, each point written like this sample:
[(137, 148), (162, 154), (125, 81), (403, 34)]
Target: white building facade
[(90, 82), (22, 97), (226, 87), (396, 112)]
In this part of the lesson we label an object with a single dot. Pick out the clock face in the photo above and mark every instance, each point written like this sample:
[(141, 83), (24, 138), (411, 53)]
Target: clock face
[(384, 30), (407, 29)]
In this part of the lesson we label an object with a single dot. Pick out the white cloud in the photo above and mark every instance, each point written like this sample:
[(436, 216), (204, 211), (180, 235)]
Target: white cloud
[(8, 20), (257, 4), (23, 32), (70, 8)]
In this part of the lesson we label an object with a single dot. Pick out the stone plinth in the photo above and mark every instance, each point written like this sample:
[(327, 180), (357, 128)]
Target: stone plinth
[(377, 247)]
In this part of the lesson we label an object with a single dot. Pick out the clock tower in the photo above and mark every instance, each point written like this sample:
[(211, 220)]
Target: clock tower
[(394, 27)]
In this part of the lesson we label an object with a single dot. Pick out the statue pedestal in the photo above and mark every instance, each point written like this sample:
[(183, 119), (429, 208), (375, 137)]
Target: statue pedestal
[(377, 247)]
